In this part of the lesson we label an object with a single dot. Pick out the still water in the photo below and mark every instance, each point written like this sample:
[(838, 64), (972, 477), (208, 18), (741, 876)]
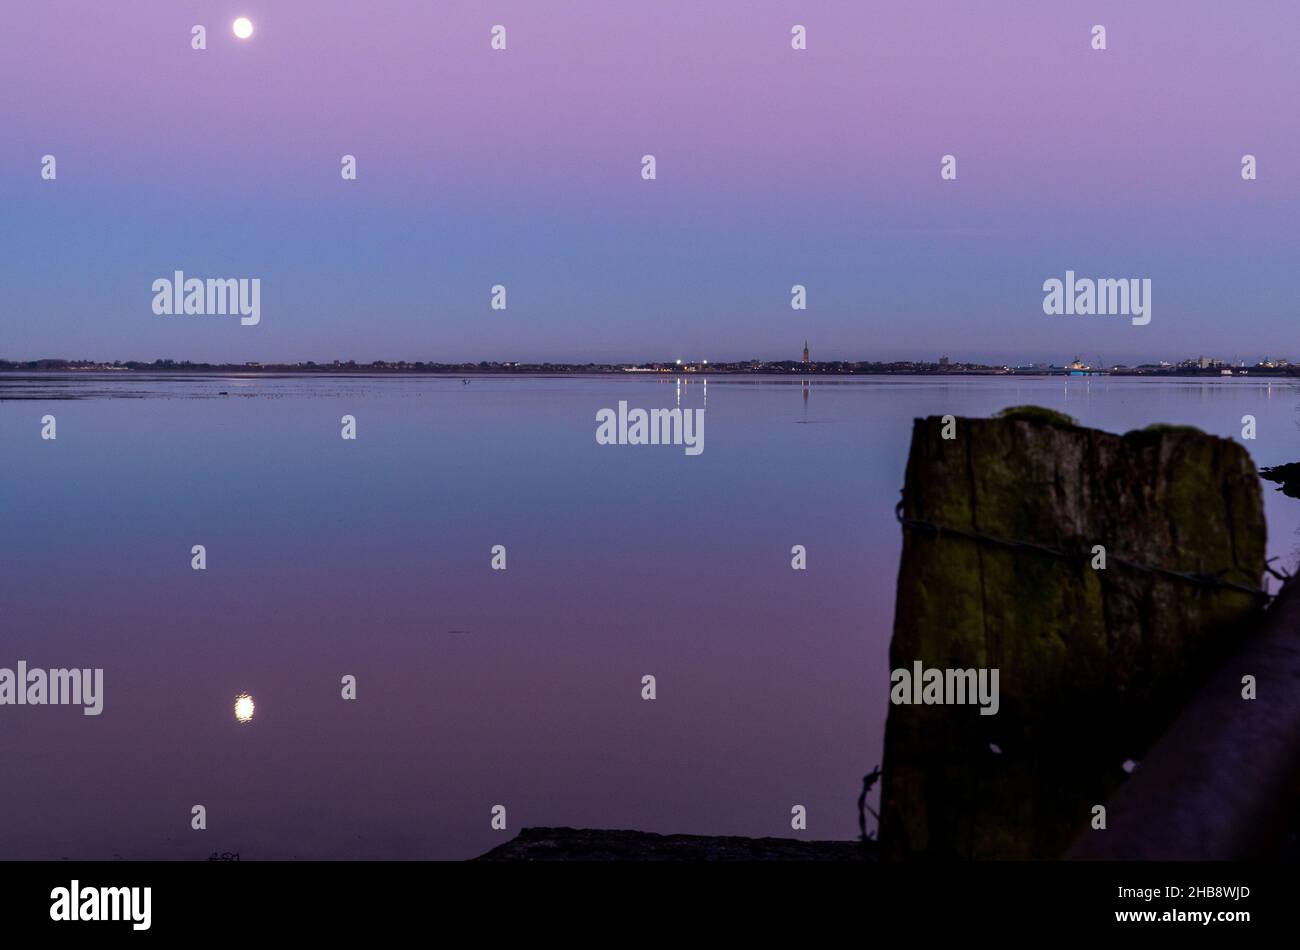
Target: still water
[(371, 558)]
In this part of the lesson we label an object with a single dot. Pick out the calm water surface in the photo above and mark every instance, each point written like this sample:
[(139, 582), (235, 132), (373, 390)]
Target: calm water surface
[(475, 687)]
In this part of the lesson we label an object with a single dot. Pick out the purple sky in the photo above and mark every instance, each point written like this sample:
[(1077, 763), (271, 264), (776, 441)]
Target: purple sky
[(522, 167)]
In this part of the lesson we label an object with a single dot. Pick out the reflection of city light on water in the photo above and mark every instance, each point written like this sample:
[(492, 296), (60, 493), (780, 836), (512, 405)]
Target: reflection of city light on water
[(244, 707)]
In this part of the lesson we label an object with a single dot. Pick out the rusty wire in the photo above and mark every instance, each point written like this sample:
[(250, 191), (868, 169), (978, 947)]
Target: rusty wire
[(1203, 580)]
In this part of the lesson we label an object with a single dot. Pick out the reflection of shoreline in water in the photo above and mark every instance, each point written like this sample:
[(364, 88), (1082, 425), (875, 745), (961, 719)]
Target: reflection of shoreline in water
[(805, 421), (64, 385)]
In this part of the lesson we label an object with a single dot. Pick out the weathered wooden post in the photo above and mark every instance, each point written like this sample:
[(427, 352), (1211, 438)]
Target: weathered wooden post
[(1007, 527)]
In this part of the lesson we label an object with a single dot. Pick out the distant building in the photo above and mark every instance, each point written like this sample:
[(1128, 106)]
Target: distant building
[(805, 352), (943, 361)]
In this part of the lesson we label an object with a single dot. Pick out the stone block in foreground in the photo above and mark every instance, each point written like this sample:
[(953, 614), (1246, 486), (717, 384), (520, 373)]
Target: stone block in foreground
[(585, 844)]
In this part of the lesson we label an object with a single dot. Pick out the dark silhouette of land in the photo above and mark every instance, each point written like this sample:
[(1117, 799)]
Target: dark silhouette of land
[(1195, 368)]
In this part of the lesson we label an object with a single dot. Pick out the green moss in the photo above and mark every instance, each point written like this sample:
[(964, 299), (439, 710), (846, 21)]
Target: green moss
[(1169, 427), (1036, 414)]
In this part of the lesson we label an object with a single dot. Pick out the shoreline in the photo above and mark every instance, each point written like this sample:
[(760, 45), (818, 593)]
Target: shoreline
[(568, 369)]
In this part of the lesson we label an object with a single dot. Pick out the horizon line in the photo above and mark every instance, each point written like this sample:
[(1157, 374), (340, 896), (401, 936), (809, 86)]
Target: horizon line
[(668, 364)]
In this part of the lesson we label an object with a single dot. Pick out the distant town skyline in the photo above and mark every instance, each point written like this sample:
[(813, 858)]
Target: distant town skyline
[(1272, 359), (804, 362)]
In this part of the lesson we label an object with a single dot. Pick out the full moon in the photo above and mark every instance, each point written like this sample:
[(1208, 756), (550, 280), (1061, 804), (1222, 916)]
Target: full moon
[(243, 27), (244, 707)]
